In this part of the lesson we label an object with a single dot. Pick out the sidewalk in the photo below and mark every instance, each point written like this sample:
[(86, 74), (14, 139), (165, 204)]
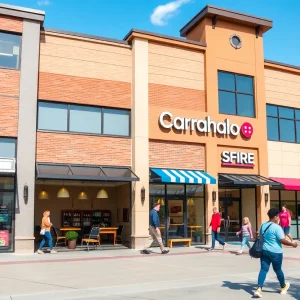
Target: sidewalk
[(185, 273)]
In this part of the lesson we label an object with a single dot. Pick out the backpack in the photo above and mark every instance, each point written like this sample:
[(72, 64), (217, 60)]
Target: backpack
[(257, 248)]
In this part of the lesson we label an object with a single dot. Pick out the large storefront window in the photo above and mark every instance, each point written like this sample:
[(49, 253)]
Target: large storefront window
[(7, 196), (182, 213), (292, 201)]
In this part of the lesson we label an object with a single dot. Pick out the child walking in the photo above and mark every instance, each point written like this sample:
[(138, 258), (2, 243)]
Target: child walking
[(247, 234)]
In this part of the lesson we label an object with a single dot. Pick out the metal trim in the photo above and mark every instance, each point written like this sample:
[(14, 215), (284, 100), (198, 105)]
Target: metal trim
[(84, 177)]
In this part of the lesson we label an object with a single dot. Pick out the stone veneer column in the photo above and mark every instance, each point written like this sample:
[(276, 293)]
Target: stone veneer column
[(140, 142), (24, 225)]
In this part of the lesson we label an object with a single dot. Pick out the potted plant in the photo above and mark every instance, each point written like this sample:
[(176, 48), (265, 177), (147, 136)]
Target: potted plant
[(198, 235), (71, 237)]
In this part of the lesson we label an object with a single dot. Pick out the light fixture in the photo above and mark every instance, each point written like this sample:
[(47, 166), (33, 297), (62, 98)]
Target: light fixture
[(143, 194), (266, 198), (25, 193), (82, 195), (161, 201), (43, 195), (214, 196), (102, 194), (63, 193), (190, 202)]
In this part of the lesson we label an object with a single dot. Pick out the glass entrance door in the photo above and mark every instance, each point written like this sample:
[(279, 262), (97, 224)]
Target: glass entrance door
[(176, 225), (230, 210)]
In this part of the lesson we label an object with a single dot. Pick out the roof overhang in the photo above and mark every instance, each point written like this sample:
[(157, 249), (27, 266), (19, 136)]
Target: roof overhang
[(84, 172), (22, 12), (164, 39), (210, 11)]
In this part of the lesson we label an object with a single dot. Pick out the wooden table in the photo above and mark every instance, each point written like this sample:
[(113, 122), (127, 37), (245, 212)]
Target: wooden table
[(110, 230), (70, 229), (193, 227)]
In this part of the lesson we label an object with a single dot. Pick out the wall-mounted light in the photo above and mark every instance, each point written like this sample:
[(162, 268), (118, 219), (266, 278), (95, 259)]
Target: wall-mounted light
[(143, 194), (214, 196), (266, 198), (190, 202), (161, 201), (25, 193)]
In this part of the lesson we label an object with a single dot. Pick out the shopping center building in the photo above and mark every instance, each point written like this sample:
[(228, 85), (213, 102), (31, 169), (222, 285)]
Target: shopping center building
[(96, 130)]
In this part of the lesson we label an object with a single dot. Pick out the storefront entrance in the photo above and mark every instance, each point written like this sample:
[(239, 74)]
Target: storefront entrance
[(230, 210), (182, 212)]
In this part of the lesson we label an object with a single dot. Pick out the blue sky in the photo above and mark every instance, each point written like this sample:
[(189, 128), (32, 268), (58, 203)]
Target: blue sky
[(114, 18)]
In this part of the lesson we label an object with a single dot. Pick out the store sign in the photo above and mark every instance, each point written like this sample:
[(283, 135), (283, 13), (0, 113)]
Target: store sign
[(4, 238), (167, 121), (237, 159)]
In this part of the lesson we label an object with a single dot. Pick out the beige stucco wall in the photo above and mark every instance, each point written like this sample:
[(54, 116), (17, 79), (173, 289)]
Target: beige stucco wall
[(67, 55), (284, 159), (176, 67), (282, 88)]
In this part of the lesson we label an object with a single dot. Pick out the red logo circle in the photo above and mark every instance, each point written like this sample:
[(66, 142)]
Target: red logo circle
[(247, 130)]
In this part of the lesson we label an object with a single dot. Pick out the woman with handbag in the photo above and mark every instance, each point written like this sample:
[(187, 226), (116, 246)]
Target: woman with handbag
[(273, 239), (46, 233)]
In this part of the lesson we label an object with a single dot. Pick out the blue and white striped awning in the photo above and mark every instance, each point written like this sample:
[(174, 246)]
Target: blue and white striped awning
[(182, 176)]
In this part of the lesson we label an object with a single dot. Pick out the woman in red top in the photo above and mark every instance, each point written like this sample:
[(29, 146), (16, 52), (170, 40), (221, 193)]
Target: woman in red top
[(285, 217), (215, 225)]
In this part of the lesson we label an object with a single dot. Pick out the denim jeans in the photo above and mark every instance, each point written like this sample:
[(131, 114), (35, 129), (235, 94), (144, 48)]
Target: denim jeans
[(245, 241), (46, 238), (265, 261), (215, 236)]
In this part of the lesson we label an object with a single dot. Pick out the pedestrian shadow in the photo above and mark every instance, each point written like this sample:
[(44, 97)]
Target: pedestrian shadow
[(269, 287), (237, 286)]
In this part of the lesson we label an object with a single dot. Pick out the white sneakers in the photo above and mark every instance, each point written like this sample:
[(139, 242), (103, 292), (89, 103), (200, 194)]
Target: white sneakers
[(283, 291)]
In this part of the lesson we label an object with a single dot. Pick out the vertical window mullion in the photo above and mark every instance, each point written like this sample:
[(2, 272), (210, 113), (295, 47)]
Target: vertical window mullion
[(68, 118), (102, 120), (236, 98)]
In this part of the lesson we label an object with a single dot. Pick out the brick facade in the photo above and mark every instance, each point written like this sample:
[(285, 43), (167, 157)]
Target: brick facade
[(83, 90), (83, 149), (9, 82), (176, 97), (9, 117), (176, 155), (11, 24)]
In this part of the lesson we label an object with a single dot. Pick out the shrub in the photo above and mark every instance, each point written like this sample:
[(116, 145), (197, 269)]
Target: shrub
[(71, 236)]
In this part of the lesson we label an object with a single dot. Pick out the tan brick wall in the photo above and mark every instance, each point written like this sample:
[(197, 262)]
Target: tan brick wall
[(177, 155), (84, 90), (11, 24), (9, 82), (93, 59), (9, 116), (83, 149), (176, 97)]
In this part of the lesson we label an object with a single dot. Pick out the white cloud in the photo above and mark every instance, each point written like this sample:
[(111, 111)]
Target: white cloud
[(163, 13), (43, 2)]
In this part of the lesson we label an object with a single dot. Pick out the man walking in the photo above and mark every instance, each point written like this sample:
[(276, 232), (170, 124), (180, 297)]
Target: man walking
[(154, 230), (274, 238), (215, 225)]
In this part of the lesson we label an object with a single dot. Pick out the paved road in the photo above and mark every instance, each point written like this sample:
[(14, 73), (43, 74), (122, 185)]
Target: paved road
[(187, 274)]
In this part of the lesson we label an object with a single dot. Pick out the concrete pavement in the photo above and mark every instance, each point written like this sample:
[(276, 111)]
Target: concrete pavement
[(185, 273)]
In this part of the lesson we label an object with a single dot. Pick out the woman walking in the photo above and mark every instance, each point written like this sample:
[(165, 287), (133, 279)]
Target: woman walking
[(45, 231), (272, 252), (247, 234), (285, 221)]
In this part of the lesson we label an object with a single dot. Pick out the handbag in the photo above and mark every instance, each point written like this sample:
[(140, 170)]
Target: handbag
[(257, 248), (42, 232)]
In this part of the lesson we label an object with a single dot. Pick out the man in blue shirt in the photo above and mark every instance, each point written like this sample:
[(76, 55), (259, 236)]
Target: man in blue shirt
[(274, 237), (154, 230)]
